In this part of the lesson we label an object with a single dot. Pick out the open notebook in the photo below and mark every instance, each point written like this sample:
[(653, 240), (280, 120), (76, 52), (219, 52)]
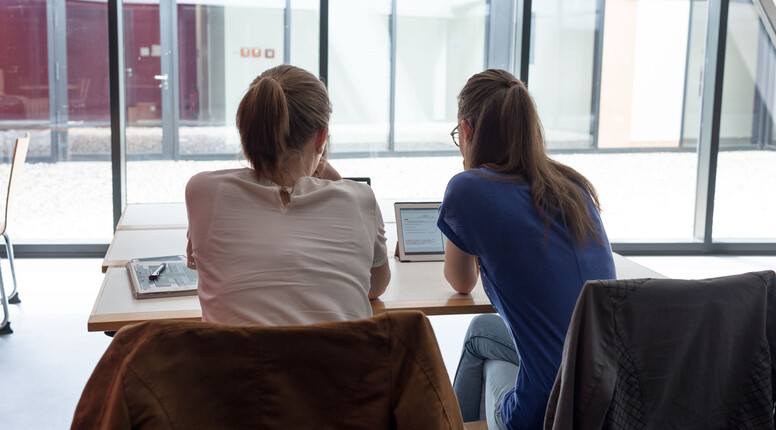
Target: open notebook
[(175, 279)]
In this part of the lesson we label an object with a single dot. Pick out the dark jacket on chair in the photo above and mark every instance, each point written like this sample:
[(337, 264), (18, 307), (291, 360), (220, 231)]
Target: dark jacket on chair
[(662, 353), (383, 372)]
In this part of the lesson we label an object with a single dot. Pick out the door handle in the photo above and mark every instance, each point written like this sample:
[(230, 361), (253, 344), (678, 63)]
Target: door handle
[(163, 85)]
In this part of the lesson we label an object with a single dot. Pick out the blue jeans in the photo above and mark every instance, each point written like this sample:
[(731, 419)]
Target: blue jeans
[(487, 370)]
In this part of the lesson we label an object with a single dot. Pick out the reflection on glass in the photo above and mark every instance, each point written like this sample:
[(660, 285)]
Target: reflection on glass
[(744, 206), (359, 74)]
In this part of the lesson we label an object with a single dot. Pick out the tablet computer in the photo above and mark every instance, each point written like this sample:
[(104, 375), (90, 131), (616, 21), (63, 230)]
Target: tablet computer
[(363, 179), (418, 235)]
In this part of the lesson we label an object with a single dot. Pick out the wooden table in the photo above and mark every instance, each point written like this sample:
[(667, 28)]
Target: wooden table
[(417, 286)]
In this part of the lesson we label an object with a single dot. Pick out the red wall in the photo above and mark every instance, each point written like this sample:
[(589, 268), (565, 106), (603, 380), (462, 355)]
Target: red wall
[(87, 61), (24, 61)]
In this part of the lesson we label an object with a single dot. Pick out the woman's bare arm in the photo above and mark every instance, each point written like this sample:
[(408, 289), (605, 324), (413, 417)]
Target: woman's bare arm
[(461, 269), (381, 275)]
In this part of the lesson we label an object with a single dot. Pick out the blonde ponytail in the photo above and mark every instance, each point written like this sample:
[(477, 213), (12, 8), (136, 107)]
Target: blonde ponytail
[(281, 111), (262, 119)]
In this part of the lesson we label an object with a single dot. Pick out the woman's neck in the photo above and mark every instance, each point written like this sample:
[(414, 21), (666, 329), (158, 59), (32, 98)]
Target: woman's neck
[(285, 178), (289, 171)]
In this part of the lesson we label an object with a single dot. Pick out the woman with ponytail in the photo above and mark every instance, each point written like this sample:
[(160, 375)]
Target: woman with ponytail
[(286, 241), (530, 227)]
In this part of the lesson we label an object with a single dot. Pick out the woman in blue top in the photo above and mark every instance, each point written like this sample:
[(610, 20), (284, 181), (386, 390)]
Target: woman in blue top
[(530, 227)]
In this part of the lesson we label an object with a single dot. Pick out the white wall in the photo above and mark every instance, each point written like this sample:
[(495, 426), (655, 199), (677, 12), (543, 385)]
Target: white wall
[(438, 50), (658, 76), (305, 30), (561, 74)]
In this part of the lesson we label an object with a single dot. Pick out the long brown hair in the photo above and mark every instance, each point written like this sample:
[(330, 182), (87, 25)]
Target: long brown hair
[(281, 111), (508, 138)]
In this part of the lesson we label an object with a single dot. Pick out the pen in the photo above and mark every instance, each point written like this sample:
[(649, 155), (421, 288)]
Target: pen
[(157, 272)]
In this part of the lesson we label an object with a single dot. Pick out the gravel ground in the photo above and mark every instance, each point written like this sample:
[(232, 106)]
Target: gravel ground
[(645, 196)]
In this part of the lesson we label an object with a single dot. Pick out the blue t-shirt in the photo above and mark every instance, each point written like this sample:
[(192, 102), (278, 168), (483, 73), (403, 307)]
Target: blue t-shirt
[(532, 280)]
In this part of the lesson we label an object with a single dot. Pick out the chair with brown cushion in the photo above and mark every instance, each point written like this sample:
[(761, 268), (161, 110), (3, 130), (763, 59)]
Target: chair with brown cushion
[(384, 372), (78, 100), (19, 156), (668, 353), (9, 102)]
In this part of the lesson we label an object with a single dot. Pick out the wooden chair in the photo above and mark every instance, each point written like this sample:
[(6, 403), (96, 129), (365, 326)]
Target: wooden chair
[(19, 156), (81, 92), (379, 373), (9, 100)]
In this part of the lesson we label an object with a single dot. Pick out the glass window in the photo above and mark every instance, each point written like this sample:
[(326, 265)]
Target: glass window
[(54, 84), (694, 74), (560, 73), (617, 84), (440, 44), (744, 206), (305, 34), (645, 181), (143, 80), (177, 127), (359, 74)]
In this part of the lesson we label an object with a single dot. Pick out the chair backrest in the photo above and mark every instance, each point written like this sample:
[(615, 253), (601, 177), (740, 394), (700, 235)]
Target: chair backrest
[(17, 165), (377, 373), (662, 353), (82, 91)]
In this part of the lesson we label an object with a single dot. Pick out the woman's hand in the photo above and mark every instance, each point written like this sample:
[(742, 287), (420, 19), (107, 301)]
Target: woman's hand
[(326, 171)]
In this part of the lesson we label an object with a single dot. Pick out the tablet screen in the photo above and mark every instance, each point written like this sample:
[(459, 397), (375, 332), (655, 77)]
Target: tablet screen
[(420, 232)]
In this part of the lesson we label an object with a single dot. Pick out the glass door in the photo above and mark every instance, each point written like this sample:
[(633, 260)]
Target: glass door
[(150, 29), (187, 66)]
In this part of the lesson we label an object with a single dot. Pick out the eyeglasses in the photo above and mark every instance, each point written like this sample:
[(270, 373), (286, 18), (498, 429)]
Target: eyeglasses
[(326, 148), (454, 134)]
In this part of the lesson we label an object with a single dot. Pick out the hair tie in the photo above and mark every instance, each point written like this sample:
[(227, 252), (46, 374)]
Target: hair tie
[(510, 83)]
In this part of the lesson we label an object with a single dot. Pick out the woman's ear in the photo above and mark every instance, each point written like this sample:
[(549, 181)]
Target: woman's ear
[(320, 140), (465, 132)]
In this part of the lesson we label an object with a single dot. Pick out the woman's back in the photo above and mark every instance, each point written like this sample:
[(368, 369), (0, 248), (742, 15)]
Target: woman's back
[(286, 241), (262, 261), (531, 272)]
